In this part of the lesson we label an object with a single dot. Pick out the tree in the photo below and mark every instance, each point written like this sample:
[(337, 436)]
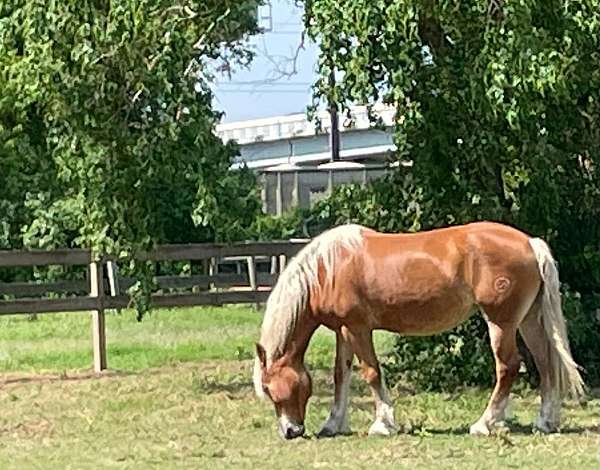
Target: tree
[(497, 105), (108, 107), (106, 123)]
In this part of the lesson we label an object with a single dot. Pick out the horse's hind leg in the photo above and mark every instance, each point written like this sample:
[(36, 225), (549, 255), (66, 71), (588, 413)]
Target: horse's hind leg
[(337, 422), (535, 338), (362, 344), (503, 338)]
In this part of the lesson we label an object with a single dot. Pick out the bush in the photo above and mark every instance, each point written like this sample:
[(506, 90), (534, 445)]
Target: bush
[(583, 322), (463, 356), (445, 361), (271, 227)]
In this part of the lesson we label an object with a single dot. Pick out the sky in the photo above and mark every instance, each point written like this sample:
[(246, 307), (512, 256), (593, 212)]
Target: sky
[(262, 90)]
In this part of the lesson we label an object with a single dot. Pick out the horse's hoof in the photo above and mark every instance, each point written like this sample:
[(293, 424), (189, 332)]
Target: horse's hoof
[(327, 431), (544, 426), (479, 429), (381, 428)]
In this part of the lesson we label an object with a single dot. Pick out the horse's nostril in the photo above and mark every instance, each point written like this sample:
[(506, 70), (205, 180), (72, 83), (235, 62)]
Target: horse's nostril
[(294, 431)]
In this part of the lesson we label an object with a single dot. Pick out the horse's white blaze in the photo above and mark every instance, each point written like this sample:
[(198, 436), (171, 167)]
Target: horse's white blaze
[(285, 422)]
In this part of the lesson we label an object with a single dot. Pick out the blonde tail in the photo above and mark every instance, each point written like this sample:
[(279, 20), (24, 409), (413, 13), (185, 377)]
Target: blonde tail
[(565, 372)]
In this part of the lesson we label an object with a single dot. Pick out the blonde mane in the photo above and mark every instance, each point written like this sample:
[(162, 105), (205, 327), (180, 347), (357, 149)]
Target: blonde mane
[(288, 300)]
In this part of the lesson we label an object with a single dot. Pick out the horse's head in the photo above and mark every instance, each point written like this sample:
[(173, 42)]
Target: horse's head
[(288, 385)]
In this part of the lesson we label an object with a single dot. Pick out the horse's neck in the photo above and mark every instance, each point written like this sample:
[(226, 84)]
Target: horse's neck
[(300, 339)]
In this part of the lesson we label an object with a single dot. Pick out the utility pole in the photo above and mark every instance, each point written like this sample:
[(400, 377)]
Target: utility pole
[(334, 135)]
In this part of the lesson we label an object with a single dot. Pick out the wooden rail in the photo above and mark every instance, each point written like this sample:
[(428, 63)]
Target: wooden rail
[(97, 294)]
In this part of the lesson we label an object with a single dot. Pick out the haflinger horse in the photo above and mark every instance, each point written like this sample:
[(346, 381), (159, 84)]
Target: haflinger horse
[(355, 280)]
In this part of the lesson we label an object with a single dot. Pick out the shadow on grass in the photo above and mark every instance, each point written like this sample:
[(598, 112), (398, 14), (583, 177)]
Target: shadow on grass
[(210, 386), (63, 377), (512, 427)]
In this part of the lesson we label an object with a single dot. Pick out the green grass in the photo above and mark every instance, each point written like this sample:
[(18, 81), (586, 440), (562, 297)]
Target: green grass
[(63, 341), (182, 398)]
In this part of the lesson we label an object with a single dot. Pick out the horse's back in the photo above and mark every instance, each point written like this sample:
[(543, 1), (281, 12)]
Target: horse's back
[(430, 281)]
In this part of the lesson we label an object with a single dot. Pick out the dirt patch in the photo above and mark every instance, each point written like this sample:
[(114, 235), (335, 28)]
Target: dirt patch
[(28, 429)]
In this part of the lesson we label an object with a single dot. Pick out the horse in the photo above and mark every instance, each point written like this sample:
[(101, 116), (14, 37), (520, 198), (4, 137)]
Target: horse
[(353, 280)]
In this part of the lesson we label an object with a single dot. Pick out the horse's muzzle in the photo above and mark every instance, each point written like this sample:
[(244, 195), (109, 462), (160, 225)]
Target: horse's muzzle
[(292, 430)]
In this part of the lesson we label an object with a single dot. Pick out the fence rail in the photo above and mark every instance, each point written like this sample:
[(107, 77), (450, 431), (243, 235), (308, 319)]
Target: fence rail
[(101, 290)]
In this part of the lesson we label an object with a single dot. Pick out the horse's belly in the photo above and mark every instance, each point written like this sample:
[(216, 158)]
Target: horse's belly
[(423, 316)]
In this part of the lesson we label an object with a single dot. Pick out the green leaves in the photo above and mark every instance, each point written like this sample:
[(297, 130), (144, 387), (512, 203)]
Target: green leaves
[(497, 108), (105, 140), (494, 104)]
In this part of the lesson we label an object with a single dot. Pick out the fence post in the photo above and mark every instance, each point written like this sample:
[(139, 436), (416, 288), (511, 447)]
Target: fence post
[(252, 277), (98, 325), (112, 272), (282, 261), (212, 270)]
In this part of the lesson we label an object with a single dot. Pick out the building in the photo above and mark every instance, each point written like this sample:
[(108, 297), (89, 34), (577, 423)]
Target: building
[(293, 157)]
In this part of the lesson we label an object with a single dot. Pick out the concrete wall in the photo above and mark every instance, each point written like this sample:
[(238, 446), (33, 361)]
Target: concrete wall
[(287, 189)]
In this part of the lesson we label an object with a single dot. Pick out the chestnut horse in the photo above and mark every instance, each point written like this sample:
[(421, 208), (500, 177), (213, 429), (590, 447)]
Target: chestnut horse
[(354, 280)]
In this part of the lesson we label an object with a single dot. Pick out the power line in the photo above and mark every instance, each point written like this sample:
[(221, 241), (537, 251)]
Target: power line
[(264, 91), (264, 82), (285, 33), (287, 23)]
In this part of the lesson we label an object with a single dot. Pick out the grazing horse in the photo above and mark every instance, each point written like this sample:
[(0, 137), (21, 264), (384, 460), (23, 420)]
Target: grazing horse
[(354, 280)]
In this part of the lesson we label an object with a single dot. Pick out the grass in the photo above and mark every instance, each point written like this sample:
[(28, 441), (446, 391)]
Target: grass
[(182, 398), (163, 337), (63, 341)]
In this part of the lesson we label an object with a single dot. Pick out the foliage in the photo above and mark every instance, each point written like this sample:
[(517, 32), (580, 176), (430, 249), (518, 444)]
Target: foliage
[(271, 227), (106, 123), (446, 361), (497, 106), (583, 314), (392, 203)]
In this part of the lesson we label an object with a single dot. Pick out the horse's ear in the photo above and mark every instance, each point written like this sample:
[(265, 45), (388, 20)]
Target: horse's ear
[(261, 354)]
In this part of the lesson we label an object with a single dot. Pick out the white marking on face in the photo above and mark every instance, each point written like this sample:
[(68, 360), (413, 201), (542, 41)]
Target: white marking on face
[(285, 422), (288, 428)]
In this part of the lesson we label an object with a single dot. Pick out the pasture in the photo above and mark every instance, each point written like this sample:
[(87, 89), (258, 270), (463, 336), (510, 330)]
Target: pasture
[(179, 395)]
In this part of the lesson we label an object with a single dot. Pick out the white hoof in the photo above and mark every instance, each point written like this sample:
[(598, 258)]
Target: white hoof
[(479, 429), (381, 428)]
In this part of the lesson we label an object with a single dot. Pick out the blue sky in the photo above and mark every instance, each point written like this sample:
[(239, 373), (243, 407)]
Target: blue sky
[(262, 91)]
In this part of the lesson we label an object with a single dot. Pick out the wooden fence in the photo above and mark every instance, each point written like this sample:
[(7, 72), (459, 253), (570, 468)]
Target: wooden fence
[(98, 292)]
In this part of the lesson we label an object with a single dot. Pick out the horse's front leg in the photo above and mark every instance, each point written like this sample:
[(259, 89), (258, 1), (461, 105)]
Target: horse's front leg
[(362, 345), (338, 422)]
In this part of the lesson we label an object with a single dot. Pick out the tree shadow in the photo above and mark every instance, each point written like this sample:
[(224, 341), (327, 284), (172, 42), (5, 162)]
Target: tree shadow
[(233, 387), (513, 428), (63, 377)]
